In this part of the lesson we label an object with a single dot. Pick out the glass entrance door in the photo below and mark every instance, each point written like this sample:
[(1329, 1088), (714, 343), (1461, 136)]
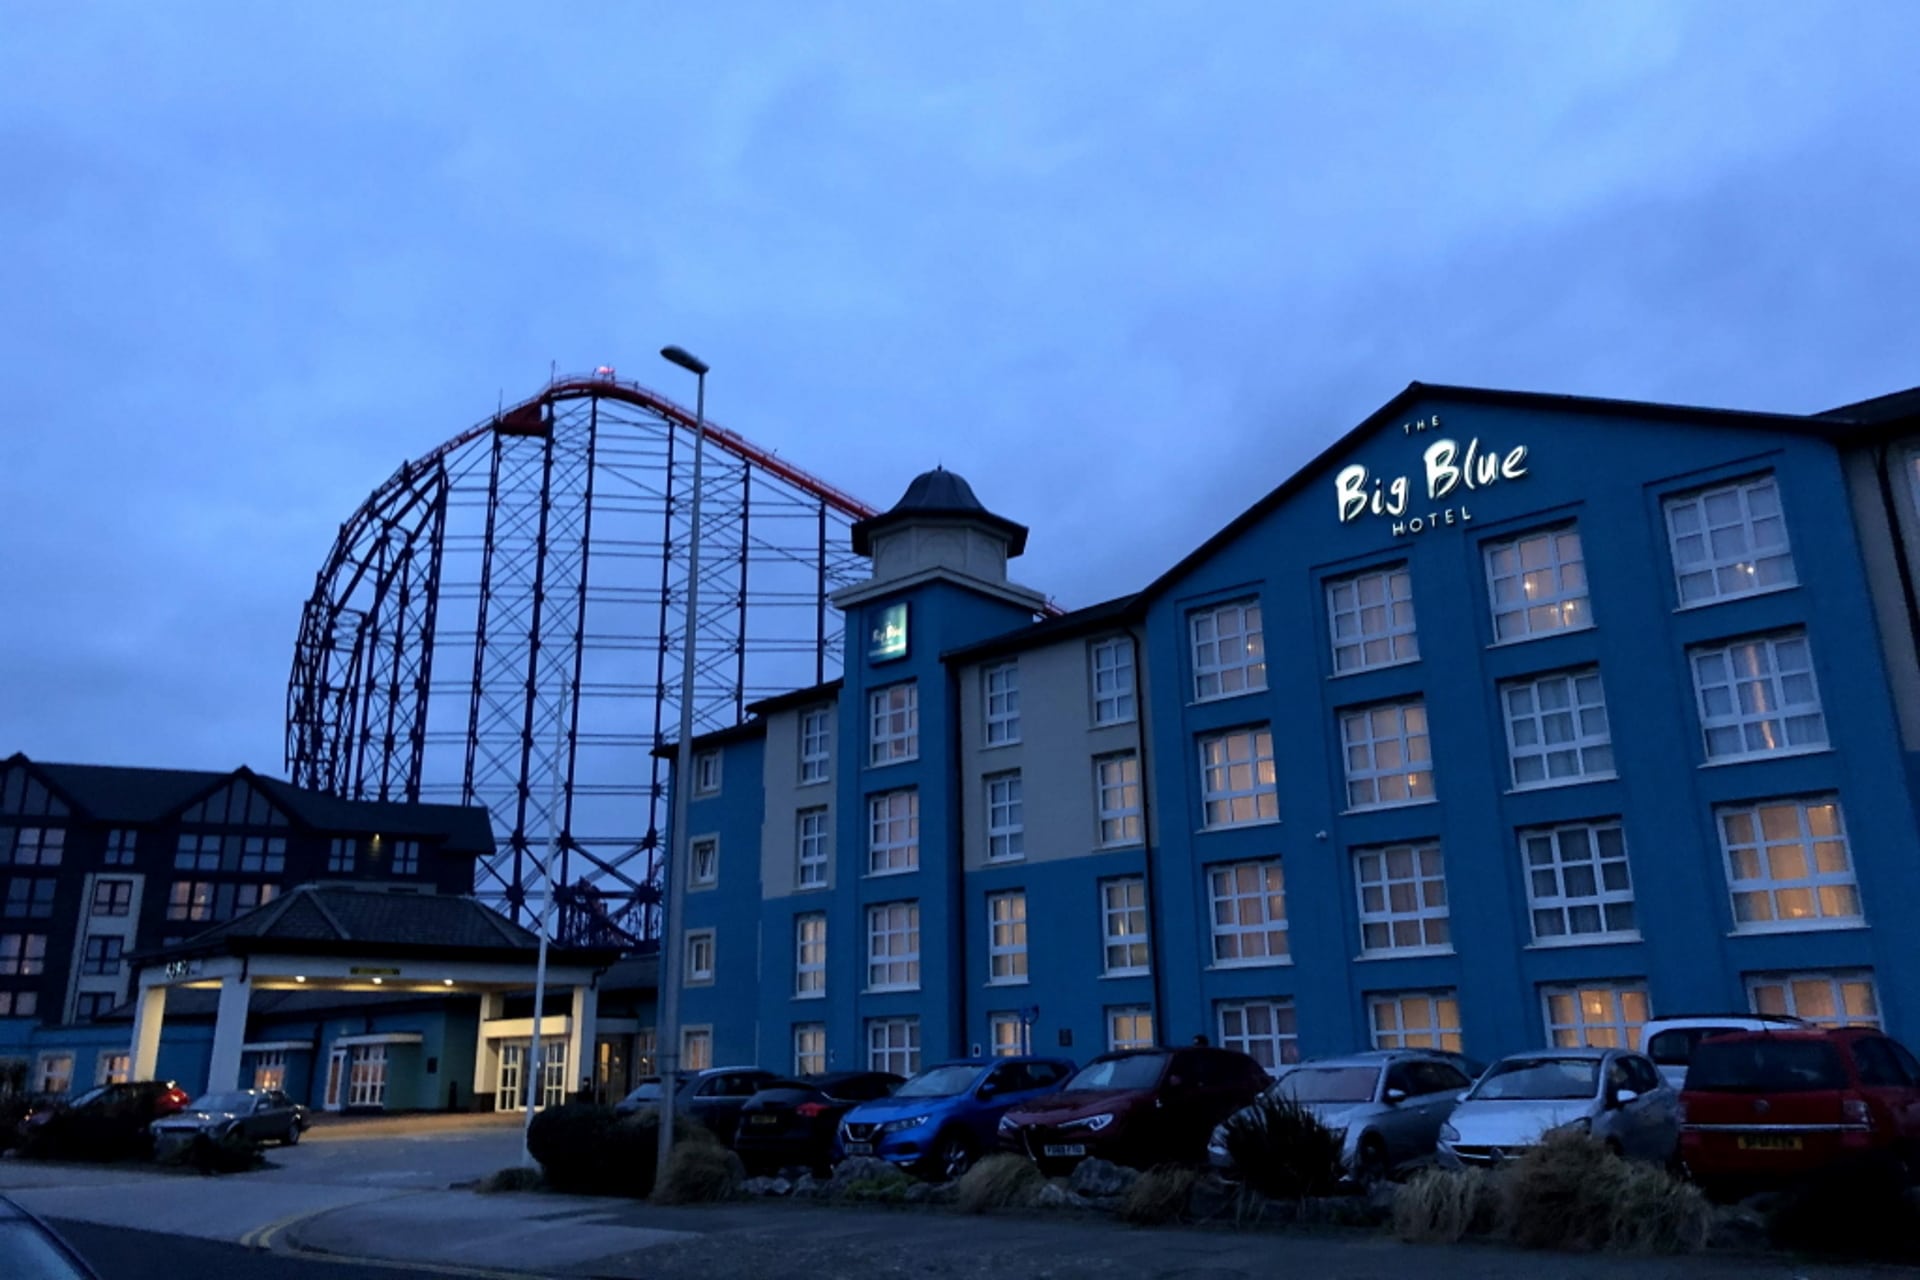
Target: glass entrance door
[(513, 1061), (335, 1097)]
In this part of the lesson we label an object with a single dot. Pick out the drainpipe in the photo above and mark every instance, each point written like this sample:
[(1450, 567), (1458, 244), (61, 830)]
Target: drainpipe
[(1902, 562), (957, 948), (1154, 953)]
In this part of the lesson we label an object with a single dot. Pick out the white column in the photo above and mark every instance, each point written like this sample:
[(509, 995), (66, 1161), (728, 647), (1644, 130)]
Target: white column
[(149, 1013), (229, 1033), (580, 1040), (485, 1080)]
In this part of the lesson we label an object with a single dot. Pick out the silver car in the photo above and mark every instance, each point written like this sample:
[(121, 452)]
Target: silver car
[(1387, 1105), (1615, 1095)]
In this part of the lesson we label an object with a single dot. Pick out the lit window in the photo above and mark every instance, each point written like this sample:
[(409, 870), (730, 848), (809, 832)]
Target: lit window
[(1371, 615), (706, 773), (342, 853), (1839, 999), (893, 947), (1557, 728), (1249, 913), (696, 1048), (197, 853), (117, 1068), (705, 863), (120, 846), (1788, 866), (810, 955), (1123, 913), (809, 1048), (270, 1069), (37, 846), (1007, 937), (1129, 1027), (1729, 541), (893, 821), (1403, 899), (1597, 1014), (56, 1072), (700, 949), (1263, 1029), (812, 851), (1579, 888), (1389, 759), (1237, 778), (1538, 584), (1229, 654), (1003, 704), (248, 896), (1758, 698), (1006, 1033), (894, 733), (1006, 819), (1117, 784), (893, 1044), (816, 744), (112, 897), (1415, 1020), (29, 899), (1113, 681), (406, 857), (23, 955), (101, 957)]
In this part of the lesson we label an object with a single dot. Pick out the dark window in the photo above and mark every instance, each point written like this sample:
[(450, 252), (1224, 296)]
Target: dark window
[(92, 1004), (246, 897), (38, 846), (1772, 1065), (112, 897), (406, 857), (18, 1004), (264, 854), (23, 954), (102, 956), (119, 848), (27, 898), (1877, 1066), (342, 853), (197, 853)]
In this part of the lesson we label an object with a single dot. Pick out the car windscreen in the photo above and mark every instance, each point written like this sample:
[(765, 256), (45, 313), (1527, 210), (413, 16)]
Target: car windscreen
[(222, 1102), (648, 1092), (1765, 1066), (1328, 1084), (1539, 1079), (1139, 1071), (941, 1082), (92, 1095), (26, 1254)]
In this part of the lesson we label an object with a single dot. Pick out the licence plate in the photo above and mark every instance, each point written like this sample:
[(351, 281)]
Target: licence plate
[(859, 1148), (1767, 1142), (763, 1119), (1065, 1149)]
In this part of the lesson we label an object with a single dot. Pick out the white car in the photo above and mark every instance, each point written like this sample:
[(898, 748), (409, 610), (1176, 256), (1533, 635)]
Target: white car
[(1615, 1095), (1670, 1041)]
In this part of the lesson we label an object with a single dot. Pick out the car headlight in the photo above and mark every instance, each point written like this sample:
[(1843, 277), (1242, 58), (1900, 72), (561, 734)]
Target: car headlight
[(1007, 1125), (1092, 1124), (1449, 1134), (895, 1126)]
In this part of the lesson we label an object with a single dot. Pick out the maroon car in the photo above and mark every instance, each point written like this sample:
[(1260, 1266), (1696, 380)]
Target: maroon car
[(1138, 1107)]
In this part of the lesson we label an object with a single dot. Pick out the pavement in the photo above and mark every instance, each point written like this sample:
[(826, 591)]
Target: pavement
[(378, 1193)]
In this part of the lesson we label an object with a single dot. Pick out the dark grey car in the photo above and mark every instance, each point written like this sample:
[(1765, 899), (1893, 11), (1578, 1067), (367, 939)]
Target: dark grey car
[(713, 1097), (257, 1115)]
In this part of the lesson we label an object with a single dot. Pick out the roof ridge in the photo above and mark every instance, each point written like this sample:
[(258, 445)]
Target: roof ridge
[(325, 914), (499, 923), (280, 906)]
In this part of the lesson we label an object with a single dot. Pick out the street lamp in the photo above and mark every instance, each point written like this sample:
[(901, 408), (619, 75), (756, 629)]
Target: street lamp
[(667, 1036)]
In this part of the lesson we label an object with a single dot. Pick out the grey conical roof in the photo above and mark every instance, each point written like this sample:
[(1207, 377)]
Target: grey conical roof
[(938, 493)]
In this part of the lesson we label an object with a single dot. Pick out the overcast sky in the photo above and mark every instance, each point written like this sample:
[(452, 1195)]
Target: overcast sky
[(1107, 260)]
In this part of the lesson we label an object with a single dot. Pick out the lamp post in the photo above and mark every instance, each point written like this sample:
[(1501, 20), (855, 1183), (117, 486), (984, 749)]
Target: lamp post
[(667, 1034), (534, 1071)]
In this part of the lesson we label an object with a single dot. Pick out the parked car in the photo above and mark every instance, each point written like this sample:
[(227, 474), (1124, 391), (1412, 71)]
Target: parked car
[(1616, 1095), (1137, 1107), (31, 1250), (791, 1123), (1670, 1042), (1773, 1106), (941, 1120), (1387, 1105), (106, 1122), (712, 1097), (254, 1115)]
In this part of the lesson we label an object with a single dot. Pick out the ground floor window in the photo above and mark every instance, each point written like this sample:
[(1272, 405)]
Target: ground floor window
[(1007, 1040), (553, 1076), (270, 1070), (1415, 1020), (1263, 1029), (893, 1044), (510, 1092), (114, 1068), (646, 1054), (696, 1048), (610, 1068), (56, 1073), (1832, 999), (367, 1076), (809, 1048), (1604, 1015), (1130, 1027)]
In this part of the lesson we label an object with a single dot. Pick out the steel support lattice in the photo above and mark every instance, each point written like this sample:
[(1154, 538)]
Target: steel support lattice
[(524, 585)]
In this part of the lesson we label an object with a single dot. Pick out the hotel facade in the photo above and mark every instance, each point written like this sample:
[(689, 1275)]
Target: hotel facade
[(1511, 719)]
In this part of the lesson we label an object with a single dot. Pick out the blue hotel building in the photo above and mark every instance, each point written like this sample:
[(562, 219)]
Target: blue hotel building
[(1510, 719)]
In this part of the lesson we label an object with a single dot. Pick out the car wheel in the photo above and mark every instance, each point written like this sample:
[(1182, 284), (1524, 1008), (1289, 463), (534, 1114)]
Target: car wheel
[(1370, 1162), (293, 1136), (952, 1155)]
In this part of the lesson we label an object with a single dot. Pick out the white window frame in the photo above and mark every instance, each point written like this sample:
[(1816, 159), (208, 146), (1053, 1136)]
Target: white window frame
[(1402, 892), (367, 1075), (816, 745), (1243, 912), (1537, 584), (1117, 794), (1129, 1026), (893, 838), (706, 773), (1388, 755), (810, 956), (1736, 573), (811, 847), (1773, 672), (702, 946), (1787, 993), (269, 1069), (1000, 691), (1549, 861), (1568, 742), (1007, 938), (1370, 619), (1273, 1046), (893, 1044), (1125, 931), (1005, 1035), (23, 955), (46, 1077), (1818, 897), (705, 848), (1392, 1026), (809, 1048), (887, 969), (1616, 1024), (1238, 783), (1006, 816), (115, 1066), (696, 1047), (1217, 672), (893, 724), (1110, 663)]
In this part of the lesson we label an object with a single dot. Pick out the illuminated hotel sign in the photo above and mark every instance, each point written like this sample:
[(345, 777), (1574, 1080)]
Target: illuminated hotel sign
[(1452, 471), (888, 638)]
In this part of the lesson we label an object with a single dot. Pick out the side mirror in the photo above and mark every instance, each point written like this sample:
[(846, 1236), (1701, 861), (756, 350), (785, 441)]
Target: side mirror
[(1622, 1097), (987, 1090), (1462, 1095), (1394, 1096)]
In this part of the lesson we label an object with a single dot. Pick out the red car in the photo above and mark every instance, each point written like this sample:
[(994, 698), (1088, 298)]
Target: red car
[(1769, 1107)]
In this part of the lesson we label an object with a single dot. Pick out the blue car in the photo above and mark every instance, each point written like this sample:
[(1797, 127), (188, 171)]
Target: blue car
[(937, 1123)]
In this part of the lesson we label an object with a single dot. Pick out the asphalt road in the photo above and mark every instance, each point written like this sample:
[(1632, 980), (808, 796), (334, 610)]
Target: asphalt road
[(118, 1253)]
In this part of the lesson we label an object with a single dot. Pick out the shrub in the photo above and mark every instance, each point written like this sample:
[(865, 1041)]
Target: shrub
[(699, 1171), (1004, 1181), (1160, 1196), (232, 1152), (587, 1150), (1438, 1207), (512, 1178), (1570, 1192), (1281, 1149), (1655, 1212)]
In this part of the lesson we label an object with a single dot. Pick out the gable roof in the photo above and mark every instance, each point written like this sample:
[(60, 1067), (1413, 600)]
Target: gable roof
[(1094, 617)]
